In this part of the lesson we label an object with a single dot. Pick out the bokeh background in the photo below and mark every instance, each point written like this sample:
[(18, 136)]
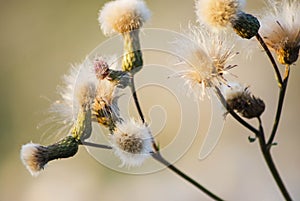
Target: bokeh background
[(40, 39)]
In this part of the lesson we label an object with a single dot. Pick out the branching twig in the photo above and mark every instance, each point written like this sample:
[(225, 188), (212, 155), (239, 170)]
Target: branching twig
[(263, 145), (269, 160)]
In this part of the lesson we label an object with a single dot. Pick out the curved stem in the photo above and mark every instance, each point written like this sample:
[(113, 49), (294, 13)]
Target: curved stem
[(135, 98), (269, 54), (160, 159), (279, 106), (276, 175), (269, 160)]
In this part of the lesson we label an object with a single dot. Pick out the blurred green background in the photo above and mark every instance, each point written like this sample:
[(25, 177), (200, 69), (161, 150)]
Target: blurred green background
[(40, 39)]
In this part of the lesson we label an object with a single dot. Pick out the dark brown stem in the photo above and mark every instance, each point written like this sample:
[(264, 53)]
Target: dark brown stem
[(135, 98), (269, 54), (157, 156), (262, 142), (269, 160), (279, 106)]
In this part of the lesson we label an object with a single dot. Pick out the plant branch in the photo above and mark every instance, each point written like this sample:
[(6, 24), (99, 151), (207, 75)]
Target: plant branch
[(157, 156), (90, 144), (279, 106), (269, 160), (262, 142), (135, 98), (269, 54)]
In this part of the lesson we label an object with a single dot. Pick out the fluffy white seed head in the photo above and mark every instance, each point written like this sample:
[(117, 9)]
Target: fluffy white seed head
[(204, 56), (281, 26), (218, 13), (123, 16), (78, 89), (30, 156), (132, 143)]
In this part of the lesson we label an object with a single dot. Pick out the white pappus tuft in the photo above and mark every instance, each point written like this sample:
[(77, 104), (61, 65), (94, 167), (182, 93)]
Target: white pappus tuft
[(123, 16), (204, 56), (31, 158), (78, 89), (218, 13), (281, 29), (132, 142)]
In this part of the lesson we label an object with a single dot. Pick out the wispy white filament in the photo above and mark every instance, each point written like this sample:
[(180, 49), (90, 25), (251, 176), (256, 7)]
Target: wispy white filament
[(281, 24), (204, 56)]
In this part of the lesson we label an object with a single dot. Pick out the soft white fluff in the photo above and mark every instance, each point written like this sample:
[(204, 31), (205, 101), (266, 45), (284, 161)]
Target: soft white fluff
[(132, 142), (123, 15), (218, 13), (78, 87), (280, 24), (29, 156), (204, 56)]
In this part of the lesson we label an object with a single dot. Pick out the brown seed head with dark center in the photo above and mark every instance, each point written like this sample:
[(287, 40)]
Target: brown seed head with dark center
[(246, 104)]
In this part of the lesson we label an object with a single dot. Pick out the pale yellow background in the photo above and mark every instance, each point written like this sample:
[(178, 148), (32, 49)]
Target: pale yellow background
[(39, 39)]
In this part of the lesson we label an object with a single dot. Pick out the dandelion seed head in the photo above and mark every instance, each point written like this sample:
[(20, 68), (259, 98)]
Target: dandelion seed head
[(204, 56), (132, 143), (123, 16), (281, 29), (218, 13)]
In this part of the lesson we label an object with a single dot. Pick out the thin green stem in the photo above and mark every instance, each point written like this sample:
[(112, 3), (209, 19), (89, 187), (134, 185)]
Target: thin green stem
[(135, 98), (160, 159), (279, 106), (269, 160), (269, 54)]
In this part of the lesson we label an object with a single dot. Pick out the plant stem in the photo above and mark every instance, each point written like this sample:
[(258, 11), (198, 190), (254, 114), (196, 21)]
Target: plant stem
[(279, 106), (90, 144), (263, 145), (135, 98), (269, 54), (269, 160), (159, 158)]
